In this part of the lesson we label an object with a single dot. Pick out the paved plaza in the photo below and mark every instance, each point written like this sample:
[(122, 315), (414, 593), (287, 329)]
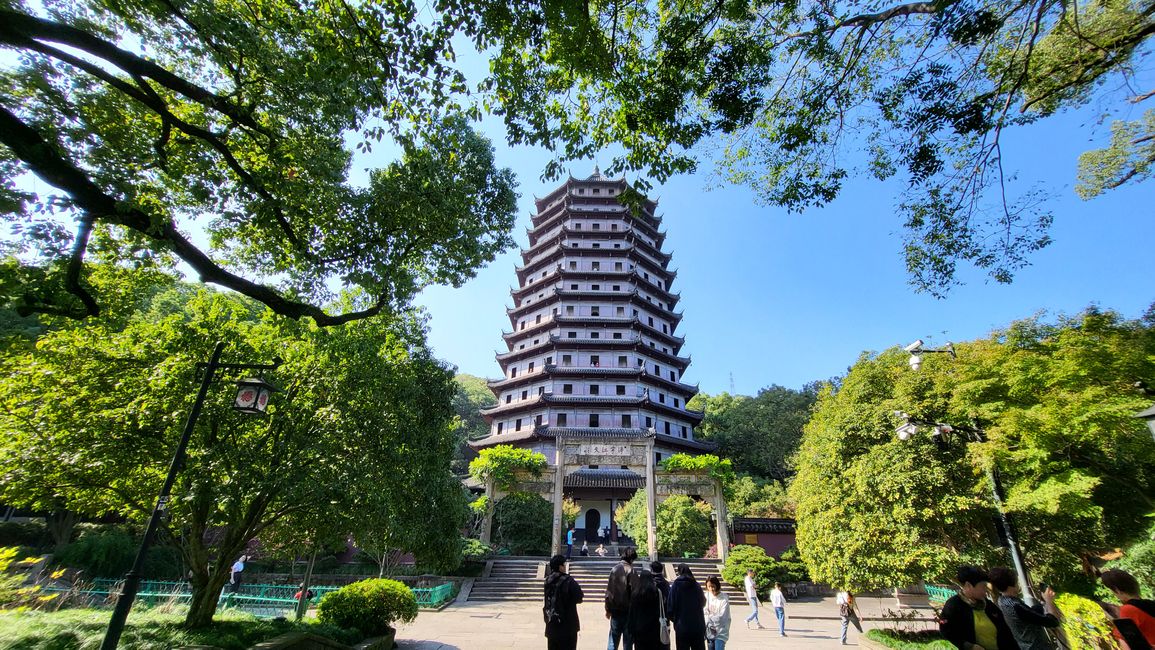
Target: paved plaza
[(481, 626)]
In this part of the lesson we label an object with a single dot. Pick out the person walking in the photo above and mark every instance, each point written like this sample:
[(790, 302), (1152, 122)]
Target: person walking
[(969, 620), (659, 571), (645, 611), (778, 602), (717, 613), (562, 595), (847, 612), (1028, 625), (686, 611), (235, 573), (618, 593), (751, 591)]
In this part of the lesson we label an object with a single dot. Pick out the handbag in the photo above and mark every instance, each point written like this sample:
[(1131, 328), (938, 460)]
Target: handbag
[(663, 623)]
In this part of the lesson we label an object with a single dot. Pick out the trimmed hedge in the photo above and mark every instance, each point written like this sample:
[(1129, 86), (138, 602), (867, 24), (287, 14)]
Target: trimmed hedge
[(370, 606)]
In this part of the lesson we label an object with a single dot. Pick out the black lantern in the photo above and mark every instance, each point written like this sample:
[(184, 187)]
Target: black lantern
[(253, 395)]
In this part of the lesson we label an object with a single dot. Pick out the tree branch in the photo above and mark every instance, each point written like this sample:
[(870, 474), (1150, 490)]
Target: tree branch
[(17, 24), (43, 159)]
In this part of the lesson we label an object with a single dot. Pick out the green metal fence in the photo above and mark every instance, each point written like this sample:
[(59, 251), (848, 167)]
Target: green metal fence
[(433, 596), (939, 594), (257, 599)]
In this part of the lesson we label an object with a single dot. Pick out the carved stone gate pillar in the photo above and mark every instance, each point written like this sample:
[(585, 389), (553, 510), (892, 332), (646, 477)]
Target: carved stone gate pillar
[(722, 516), (558, 486), (651, 503)]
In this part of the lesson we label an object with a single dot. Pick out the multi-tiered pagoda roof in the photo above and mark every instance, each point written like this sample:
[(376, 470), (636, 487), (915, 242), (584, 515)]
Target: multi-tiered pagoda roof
[(592, 349)]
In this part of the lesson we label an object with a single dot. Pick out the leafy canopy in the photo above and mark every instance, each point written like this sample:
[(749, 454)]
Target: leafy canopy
[(151, 120), (1056, 403), (719, 469), (503, 463), (683, 524), (799, 96), (359, 431), (760, 433)]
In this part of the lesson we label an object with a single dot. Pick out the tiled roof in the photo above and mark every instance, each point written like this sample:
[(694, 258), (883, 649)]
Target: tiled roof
[(605, 478)]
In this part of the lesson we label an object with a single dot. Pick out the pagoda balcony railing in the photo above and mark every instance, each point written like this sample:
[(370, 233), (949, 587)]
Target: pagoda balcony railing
[(527, 351), (550, 222), (627, 251), (530, 329), (593, 400), (611, 371), (529, 402), (598, 342)]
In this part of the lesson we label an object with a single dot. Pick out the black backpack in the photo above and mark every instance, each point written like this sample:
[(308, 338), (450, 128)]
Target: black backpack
[(550, 611)]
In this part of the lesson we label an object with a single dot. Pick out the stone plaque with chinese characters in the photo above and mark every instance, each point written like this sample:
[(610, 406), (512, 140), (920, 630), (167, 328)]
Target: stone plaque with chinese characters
[(604, 449)]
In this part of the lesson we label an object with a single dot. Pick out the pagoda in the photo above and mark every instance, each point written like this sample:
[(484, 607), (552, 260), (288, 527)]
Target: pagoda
[(592, 352)]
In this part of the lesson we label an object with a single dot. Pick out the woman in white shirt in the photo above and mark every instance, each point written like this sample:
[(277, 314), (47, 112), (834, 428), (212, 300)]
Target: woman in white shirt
[(778, 602), (848, 612), (717, 613)]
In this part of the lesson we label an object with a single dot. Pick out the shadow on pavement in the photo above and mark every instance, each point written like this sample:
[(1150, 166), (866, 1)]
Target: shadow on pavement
[(424, 644)]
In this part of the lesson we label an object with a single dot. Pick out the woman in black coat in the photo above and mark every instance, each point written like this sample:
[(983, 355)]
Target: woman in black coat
[(686, 603), (644, 609)]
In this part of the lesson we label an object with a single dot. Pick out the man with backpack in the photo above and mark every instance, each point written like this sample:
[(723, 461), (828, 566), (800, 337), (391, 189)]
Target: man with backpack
[(562, 595)]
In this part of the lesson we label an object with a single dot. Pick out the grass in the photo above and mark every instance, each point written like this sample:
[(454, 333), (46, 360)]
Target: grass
[(83, 629), (903, 640)]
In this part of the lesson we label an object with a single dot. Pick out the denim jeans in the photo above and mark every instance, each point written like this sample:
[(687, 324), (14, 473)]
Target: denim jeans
[(753, 611), (780, 612), (620, 638), (715, 644)]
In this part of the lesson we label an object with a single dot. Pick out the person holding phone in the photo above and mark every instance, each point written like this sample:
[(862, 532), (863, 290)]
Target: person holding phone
[(1029, 625), (969, 620)]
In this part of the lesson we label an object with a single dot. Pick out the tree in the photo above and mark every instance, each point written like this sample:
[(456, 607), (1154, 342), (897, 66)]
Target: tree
[(91, 415), (232, 118), (1055, 403), (683, 524), (472, 395), (759, 434), (747, 496), (798, 96), (523, 523)]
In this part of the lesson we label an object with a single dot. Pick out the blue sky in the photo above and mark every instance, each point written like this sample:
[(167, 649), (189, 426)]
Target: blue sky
[(777, 298)]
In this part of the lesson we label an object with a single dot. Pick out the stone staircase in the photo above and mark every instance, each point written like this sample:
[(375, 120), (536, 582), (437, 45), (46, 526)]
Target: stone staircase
[(511, 579), (520, 579)]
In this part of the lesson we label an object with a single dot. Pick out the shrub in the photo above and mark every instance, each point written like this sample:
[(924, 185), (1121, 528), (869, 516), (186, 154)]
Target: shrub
[(1084, 623), (750, 557), (916, 640), (31, 534), (108, 552), (370, 606), (13, 575), (523, 523), (475, 550), (683, 524)]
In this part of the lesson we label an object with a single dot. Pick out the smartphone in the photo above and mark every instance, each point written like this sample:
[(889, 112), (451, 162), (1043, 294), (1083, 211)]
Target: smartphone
[(1131, 634)]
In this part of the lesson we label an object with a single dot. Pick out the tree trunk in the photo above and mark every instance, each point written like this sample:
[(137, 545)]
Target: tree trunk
[(303, 601), (61, 524), (205, 594)]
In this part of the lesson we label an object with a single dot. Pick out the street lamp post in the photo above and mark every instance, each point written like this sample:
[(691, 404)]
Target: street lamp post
[(941, 433), (252, 397)]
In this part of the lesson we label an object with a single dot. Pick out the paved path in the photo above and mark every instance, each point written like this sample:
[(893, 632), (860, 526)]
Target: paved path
[(482, 626)]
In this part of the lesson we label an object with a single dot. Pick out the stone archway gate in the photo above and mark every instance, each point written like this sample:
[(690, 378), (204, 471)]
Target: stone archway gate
[(573, 452)]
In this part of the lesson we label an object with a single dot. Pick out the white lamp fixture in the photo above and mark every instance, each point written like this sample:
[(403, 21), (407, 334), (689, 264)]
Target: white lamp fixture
[(1149, 416), (253, 395)]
